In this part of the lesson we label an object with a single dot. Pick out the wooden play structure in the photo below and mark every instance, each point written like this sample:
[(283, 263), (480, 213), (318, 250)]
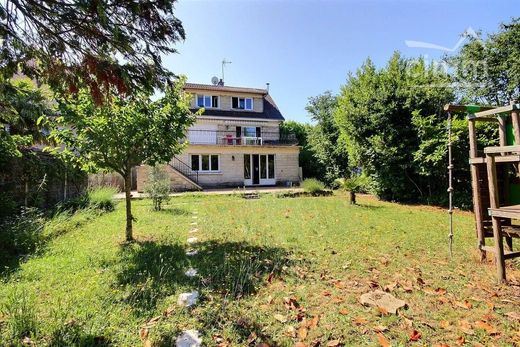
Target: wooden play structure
[(495, 179)]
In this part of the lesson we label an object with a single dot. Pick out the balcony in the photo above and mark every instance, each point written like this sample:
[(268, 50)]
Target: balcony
[(227, 138)]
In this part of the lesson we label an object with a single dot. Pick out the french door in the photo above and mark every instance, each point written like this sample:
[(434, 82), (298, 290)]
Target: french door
[(259, 169)]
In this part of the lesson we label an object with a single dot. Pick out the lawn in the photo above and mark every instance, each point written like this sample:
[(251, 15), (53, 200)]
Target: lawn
[(278, 271)]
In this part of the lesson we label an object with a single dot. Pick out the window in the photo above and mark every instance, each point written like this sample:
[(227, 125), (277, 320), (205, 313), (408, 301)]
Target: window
[(205, 162), (207, 101), (247, 166), (270, 166), (249, 131), (263, 167), (241, 103)]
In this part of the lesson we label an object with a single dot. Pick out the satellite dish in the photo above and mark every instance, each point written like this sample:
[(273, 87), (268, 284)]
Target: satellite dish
[(214, 80)]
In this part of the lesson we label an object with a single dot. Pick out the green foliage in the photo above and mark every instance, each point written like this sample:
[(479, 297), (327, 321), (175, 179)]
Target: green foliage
[(124, 133), (158, 186), (355, 184), (375, 111), (324, 138), (102, 198), (101, 45), (313, 186), (21, 234), (487, 69), (310, 166), (19, 309)]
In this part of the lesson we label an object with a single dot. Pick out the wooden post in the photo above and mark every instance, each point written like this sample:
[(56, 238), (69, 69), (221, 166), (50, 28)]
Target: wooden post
[(515, 118), (65, 186), (497, 228), (26, 197), (475, 179), (502, 130)]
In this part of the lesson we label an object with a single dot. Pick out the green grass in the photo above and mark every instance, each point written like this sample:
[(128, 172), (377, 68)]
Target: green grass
[(267, 268)]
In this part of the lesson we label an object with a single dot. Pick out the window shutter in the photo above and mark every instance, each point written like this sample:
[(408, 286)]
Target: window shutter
[(239, 132), (258, 132)]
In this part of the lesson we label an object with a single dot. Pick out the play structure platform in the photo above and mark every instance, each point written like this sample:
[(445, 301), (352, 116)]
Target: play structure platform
[(495, 179)]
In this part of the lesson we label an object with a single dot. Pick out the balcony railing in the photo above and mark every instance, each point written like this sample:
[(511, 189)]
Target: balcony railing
[(217, 137)]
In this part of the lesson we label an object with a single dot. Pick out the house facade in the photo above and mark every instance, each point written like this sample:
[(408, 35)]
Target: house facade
[(236, 142)]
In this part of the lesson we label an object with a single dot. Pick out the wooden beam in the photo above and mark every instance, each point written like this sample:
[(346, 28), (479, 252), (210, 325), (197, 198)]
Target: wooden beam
[(502, 149), (495, 204), (498, 110), (465, 108), (499, 159), (475, 179), (515, 117)]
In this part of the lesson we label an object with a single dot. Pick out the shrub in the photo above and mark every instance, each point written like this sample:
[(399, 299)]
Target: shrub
[(7, 205), (19, 309), (158, 186), (313, 186), (354, 185), (22, 234), (102, 198)]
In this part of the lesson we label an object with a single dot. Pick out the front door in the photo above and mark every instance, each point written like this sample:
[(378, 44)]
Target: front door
[(256, 169)]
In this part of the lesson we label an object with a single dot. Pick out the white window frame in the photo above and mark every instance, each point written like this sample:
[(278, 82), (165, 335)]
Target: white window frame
[(200, 170), (204, 96), (245, 108)]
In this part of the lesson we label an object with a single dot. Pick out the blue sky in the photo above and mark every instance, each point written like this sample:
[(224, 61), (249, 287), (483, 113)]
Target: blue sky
[(303, 48)]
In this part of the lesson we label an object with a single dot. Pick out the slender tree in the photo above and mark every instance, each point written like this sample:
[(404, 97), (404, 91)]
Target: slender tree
[(124, 133)]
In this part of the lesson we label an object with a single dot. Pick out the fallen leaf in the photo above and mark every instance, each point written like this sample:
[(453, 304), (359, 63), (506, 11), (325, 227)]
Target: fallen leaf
[(464, 304), (290, 331), (143, 333), (280, 318), (441, 345), (333, 343), (444, 324), (380, 328), (440, 291), (147, 343), (302, 333), (415, 335), (359, 321), (383, 342), (490, 330), (313, 323), (300, 344), (382, 310), (460, 340), (466, 327), (343, 311)]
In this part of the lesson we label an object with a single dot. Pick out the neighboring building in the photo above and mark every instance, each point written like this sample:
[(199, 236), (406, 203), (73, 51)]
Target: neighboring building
[(236, 142)]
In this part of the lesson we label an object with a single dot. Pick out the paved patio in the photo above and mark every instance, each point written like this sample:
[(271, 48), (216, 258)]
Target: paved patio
[(220, 191)]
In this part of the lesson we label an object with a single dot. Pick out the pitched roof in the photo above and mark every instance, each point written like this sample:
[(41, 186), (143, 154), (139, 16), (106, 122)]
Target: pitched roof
[(219, 88)]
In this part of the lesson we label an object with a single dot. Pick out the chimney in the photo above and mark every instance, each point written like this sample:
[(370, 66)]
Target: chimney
[(267, 87), (221, 82)]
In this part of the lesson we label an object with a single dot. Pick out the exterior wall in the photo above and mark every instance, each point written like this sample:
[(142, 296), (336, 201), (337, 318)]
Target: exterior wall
[(225, 100), (231, 166), (177, 181)]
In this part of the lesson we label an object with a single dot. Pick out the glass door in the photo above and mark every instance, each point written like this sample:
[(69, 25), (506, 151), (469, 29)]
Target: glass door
[(259, 169)]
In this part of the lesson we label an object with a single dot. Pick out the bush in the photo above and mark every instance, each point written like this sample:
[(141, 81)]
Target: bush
[(313, 186), (102, 198), (158, 186), (22, 234)]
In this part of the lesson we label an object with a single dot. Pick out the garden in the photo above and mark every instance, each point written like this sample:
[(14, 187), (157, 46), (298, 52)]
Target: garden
[(272, 271)]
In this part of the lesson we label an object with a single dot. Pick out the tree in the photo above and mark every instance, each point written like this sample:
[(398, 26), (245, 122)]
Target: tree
[(488, 69), (375, 110), (324, 138), (124, 133), (92, 43), (307, 159), (158, 186)]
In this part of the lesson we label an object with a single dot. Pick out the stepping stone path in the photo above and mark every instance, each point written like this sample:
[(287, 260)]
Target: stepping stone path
[(190, 338), (188, 299), (191, 272)]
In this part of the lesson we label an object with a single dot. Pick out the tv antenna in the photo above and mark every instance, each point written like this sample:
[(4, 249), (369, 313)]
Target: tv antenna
[(224, 62)]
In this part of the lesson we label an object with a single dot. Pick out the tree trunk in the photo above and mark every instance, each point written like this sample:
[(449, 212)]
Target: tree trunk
[(352, 197), (128, 187)]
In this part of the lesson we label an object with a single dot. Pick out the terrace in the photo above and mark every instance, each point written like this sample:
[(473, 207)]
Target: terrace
[(217, 137)]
